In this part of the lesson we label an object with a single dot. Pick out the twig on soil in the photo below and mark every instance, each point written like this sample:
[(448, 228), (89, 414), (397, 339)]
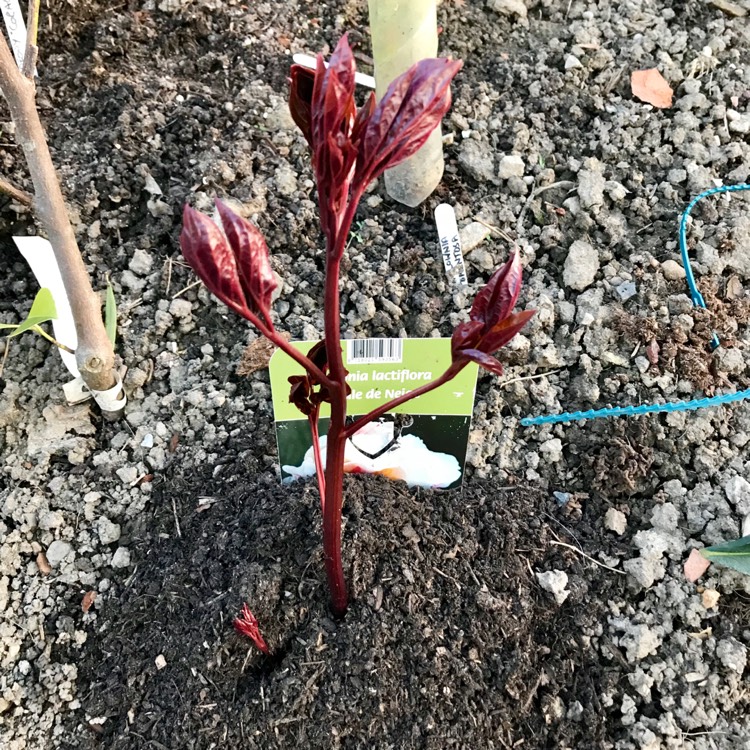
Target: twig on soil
[(169, 275), (16, 193), (530, 377), (497, 230), (5, 354), (445, 575), (532, 693), (567, 184), (588, 557), (176, 520), (186, 289)]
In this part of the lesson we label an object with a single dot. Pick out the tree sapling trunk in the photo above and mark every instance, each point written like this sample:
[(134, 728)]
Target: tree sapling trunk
[(94, 352)]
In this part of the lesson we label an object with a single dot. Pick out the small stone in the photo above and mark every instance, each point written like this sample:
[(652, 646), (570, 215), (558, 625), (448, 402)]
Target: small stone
[(477, 160), (510, 166), (626, 290), (561, 498), (554, 581), (473, 235), (710, 598), (642, 364), (730, 361), (732, 654), (591, 183), (181, 308), (121, 558), (508, 7), (50, 519), (552, 450), (615, 520), (737, 490), (148, 441), (581, 266), (128, 474), (572, 62), (286, 180), (108, 531), (57, 552), (672, 270), (160, 661), (141, 262)]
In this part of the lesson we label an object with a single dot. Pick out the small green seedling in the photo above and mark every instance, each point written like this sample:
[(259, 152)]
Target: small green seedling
[(42, 311), (110, 314)]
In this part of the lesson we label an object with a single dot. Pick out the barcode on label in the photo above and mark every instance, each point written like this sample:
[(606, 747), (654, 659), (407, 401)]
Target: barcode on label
[(373, 351)]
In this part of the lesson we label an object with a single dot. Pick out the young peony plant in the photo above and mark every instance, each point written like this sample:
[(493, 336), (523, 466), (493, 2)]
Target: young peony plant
[(350, 148)]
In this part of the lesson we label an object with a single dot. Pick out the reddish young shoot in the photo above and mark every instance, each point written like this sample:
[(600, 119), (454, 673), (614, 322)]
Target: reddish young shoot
[(350, 148)]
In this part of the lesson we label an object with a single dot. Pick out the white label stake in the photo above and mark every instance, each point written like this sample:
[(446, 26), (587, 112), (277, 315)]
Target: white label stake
[(450, 245), (310, 62), (16, 27)]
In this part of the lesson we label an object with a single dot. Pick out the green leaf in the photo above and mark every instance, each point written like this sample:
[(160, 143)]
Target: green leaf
[(110, 314), (734, 554), (42, 310)]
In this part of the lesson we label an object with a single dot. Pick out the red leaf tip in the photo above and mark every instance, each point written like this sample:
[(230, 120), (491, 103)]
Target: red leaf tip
[(247, 625)]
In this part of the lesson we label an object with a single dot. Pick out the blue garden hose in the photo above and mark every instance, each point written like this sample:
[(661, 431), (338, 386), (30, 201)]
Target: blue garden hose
[(698, 301)]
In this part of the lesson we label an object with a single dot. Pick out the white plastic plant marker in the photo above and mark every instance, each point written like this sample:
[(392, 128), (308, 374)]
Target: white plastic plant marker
[(450, 245), (310, 62), (16, 28), (40, 256)]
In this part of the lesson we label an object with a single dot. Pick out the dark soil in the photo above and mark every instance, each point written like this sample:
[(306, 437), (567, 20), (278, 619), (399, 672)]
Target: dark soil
[(449, 641)]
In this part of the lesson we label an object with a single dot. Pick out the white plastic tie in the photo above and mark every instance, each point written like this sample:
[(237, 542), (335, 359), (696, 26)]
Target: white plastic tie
[(113, 399)]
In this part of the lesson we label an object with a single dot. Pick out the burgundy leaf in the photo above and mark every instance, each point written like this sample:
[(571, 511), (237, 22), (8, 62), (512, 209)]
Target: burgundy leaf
[(363, 116), (485, 360), (466, 336), (299, 394), (333, 114), (301, 83), (410, 110), (504, 331), (303, 393), (206, 250), (499, 295), (251, 258)]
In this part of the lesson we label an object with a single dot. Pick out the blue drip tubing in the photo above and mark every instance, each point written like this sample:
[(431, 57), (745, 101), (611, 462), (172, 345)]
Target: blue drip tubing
[(698, 301)]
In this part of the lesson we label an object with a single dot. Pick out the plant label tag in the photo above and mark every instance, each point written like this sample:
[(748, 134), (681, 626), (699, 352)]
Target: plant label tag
[(450, 245), (40, 256), (16, 28), (422, 442)]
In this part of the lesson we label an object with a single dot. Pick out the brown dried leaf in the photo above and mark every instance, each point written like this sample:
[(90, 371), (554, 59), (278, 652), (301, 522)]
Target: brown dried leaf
[(88, 599), (257, 355), (650, 86)]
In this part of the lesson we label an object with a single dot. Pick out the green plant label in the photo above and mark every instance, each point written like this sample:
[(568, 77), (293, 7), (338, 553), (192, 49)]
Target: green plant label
[(423, 442)]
